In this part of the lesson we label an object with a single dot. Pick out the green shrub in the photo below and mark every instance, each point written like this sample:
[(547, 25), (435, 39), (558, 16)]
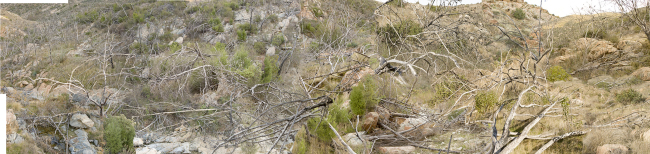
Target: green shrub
[(87, 17), (193, 9), (138, 48), (600, 34), (248, 28), (257, 19), (336, 116), (220, 46), (309, 27), (556, 73), (278, 40), (301, 143), (218, 28), (241, 59), (270, 69), (223, 57), (198, 83), (317, 12), (232, 5), (228, 13), (352, 45), (397, 3), (241, 35), (216, 24), (118, 133), (484, 102), (401, 29), (519, 14), (167, 36), (260, 47), (175, 47), (629, 96), (363, 96), (273, 18), (138, 18)]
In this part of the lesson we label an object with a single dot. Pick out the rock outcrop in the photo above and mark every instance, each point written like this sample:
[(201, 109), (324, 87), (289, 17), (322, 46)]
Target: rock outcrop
[(397, 150), (642, 73), (612, 149), (81, 121), (80, 144), (370, 121)]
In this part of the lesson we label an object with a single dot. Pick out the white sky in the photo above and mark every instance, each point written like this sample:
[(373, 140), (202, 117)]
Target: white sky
[(558, 7)]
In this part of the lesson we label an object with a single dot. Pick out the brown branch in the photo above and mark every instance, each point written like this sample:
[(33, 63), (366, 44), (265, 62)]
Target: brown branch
[(555, 139)]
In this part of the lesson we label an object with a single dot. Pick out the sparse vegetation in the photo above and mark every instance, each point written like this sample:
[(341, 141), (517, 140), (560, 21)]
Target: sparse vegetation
[(519, 14), (484, 102), (260, 47), (629, 96), (399, 31), (278, 40)]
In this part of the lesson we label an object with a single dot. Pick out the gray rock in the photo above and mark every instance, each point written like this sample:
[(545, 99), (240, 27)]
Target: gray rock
[(79, 98), (352, 139), (179, 40), (81, 121), (178, 31), (175, 147), (14, 138), (80, 143), (146, 150), (270, 51), (137, 141)]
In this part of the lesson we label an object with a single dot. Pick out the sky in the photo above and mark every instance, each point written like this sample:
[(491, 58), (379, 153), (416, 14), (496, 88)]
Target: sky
[(558, 7)]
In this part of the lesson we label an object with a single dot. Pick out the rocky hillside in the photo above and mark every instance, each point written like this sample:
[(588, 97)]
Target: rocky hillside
[(321, 76)]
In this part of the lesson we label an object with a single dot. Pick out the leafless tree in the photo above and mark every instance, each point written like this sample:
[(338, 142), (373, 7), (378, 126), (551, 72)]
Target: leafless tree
[(636, 11)]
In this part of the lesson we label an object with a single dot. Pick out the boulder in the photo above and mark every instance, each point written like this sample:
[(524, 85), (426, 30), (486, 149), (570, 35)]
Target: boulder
[(175, 147), (14, 138), (595, 48), (138, 141), (352, 77), (370, 121), (81, 121), (270, 51), (629, 45), (353, 140), (22, 84), (397, 150), (80, 143), (409, 123), (9, 91), (179, 40), (12, 125), (646, 136), (44, 88), (145, 150), (642, 73), (612, 149)]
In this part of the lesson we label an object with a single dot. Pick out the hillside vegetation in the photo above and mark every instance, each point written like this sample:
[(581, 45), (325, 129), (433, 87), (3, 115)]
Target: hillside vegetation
[(321, 76)]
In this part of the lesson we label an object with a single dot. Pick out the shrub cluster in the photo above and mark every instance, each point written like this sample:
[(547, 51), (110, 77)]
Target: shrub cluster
[(484, 102), (519, 14), (400, 30), (278, 40), (270, 69), (556, 73), (629, 96), (118, 133), (363, 96), (260, 47)]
